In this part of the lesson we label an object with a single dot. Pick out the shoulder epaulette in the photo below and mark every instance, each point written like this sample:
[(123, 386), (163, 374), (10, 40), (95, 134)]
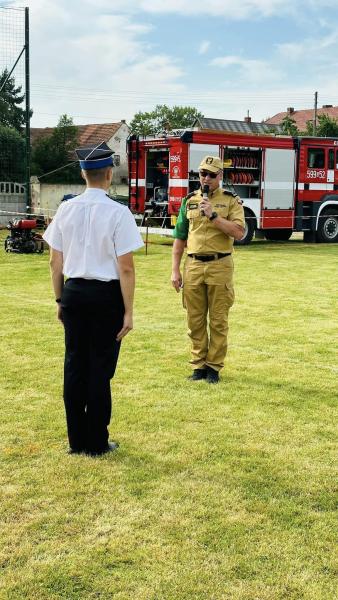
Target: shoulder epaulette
[(116, 200), (191, 194), (230, 193)]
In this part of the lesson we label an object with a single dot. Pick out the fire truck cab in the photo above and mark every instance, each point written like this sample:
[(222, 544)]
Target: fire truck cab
[(286, 184)]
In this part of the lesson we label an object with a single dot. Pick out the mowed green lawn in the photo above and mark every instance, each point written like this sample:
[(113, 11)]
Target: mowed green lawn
[(217, 492)]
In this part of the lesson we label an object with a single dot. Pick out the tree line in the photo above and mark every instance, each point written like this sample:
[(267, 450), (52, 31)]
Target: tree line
[(52, 156), (325, 127)]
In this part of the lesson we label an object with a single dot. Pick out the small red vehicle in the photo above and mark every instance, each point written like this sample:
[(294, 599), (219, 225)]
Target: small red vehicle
[(22, 239)]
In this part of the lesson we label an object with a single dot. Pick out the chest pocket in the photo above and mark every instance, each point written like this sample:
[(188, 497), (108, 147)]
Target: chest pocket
[(222, 210), (193, 213)]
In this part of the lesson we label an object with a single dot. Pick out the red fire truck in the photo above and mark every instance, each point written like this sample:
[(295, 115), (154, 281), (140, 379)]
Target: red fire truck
[(286, 184)]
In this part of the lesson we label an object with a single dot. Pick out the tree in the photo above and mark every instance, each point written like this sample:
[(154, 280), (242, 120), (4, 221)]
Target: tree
[(11, 113), (164, 118), (326, 127), (12, 155), (56, 151), (289, 126), (12, 122)]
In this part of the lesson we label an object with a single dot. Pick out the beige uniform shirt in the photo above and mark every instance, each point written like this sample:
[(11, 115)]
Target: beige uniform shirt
[(203, 236)]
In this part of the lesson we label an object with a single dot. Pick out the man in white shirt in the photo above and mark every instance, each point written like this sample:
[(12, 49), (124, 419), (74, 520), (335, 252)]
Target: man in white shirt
[(91, 241)]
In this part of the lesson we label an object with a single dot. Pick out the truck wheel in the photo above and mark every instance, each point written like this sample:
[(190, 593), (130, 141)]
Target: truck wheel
[(249, 231), (278, 235), (328, 227)]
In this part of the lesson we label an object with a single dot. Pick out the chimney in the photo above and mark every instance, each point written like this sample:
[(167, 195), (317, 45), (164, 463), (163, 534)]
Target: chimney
[(327, 106), (123, 120), (247, 119), (290, 110)]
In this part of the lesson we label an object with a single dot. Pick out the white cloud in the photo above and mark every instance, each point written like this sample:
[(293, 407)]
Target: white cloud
[(226, 8), (312, 49), (81, 46), (292, 51), (97, 59), (249, 70), (204, 47)]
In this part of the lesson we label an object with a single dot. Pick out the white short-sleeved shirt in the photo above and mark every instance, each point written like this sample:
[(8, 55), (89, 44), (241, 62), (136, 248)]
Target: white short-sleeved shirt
[(92, 231)]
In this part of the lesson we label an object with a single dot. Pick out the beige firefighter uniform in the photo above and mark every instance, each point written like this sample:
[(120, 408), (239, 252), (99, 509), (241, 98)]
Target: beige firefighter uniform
[(208, 275)]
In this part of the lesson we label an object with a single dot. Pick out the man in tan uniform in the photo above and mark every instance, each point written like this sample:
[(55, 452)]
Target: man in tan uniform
[(207, 225)]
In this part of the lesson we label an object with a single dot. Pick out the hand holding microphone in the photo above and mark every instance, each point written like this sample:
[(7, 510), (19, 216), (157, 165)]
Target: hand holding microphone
[(205, 192)]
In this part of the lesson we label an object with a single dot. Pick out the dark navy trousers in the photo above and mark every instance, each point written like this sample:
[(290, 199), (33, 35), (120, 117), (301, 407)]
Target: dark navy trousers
[(92, 313)]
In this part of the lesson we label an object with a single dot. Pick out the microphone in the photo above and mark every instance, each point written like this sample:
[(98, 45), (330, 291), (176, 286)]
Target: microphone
[(205, 192)]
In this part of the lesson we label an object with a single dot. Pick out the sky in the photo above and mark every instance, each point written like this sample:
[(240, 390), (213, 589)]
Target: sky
[(101, 61)]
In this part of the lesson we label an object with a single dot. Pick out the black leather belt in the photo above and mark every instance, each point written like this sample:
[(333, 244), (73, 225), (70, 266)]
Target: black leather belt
[(208, 257)]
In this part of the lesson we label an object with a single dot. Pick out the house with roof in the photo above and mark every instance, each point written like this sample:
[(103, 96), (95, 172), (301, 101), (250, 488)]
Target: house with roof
[(46, 197), (302, 116), (114, 134)]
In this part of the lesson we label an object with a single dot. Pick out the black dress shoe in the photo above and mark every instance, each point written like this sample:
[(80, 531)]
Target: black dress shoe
[(76, 451), (212, 375), (111, 447), (198, 374)]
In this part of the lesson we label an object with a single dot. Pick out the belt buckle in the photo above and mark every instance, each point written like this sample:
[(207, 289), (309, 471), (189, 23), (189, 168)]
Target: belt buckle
[(209, 257)]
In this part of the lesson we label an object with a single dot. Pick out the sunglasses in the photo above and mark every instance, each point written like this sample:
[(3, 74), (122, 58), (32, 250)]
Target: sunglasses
[(206, 173)]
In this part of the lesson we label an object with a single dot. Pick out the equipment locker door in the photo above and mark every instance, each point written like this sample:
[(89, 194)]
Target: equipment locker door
[(278, 184)]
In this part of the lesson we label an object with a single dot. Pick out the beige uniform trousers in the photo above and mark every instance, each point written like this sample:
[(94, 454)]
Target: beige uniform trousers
[(208, 290)]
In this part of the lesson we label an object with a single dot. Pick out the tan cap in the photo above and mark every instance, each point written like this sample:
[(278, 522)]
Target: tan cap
[(211, 163)]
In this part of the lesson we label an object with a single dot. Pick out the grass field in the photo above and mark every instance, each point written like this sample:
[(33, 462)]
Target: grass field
[(217, 492)]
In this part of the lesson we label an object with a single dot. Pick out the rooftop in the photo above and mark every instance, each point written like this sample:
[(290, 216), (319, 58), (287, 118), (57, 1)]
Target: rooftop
[(246, 126), (302, 116), (88, 134)]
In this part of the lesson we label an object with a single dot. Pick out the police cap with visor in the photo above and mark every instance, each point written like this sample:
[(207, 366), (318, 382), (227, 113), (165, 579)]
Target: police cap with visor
[(95, 157)]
